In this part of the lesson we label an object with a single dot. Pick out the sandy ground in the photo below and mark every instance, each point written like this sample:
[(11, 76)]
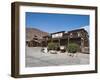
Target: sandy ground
[(35, 58)]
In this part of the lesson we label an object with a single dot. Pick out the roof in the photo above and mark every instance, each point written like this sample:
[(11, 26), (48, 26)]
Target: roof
[(77, 30), (58, 32)]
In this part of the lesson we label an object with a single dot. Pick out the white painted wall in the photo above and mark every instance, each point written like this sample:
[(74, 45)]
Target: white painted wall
[(5, 40), (57, 35)]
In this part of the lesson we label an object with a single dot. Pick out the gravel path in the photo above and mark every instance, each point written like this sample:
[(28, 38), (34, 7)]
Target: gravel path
[(35, 58)]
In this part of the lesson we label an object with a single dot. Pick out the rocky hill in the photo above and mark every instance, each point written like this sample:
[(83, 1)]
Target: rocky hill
[(34, 32)]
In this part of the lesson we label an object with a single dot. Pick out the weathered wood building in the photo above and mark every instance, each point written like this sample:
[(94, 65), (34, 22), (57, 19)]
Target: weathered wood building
[(79, 36)]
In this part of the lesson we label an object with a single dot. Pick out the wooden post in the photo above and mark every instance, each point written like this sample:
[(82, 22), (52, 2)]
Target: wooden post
[(68, 42), (82, 44), (59, 42)]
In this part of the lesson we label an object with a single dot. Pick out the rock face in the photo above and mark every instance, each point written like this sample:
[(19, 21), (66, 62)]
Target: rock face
[(35, 33)]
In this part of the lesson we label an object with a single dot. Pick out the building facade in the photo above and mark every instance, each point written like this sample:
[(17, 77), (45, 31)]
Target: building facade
[(79, 36)]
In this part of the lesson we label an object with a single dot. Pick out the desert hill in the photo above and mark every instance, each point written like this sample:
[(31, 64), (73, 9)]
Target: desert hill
[(34, 32)]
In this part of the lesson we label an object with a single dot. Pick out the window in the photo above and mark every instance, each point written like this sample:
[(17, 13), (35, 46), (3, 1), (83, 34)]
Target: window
[(78, 34), (71, 35)]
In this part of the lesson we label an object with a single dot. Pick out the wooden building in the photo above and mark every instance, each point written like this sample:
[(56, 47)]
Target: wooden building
[(79, 36)]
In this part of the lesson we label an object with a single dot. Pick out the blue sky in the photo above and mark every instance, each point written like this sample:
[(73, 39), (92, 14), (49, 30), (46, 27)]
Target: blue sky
[(56, 22)]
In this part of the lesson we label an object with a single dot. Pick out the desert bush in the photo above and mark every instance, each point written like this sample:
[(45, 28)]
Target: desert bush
[(73, 47), (51, 46)]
